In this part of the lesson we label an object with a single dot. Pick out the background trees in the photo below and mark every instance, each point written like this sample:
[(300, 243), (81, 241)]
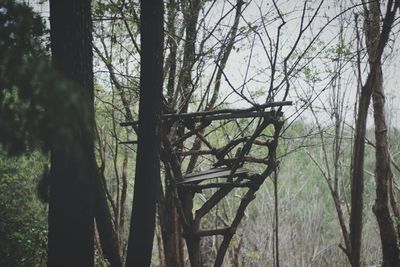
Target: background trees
[(233, 54)]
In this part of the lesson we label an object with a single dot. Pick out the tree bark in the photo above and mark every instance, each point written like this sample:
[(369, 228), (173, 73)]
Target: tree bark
[(71, 212), (146, 187), (357, 177), (171, 227), (184, 89), (383, 173), (108, 237), (376, 42), (169, 220)]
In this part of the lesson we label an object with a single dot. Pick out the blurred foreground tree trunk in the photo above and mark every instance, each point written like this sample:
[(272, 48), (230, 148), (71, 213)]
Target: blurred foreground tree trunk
[(77, 193), (71, 212), (147, 175)]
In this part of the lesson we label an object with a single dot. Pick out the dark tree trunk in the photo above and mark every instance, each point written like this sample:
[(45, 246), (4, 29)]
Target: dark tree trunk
[(71, 212), (171, 227), (190, 11), (357, 177), (147, 175), (169, 219), (108, 237)]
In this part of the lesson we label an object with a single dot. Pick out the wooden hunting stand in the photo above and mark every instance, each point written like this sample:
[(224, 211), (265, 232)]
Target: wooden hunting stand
[(229, 169)]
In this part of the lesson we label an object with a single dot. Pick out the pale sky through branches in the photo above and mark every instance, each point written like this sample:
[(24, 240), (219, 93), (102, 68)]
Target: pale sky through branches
[(248, 69)]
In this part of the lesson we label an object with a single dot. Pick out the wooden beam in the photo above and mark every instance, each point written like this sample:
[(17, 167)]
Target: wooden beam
[(221, 231), (131, 142), (227, 111), (223, 114), (129, 123), (211, 174), (199, 187)]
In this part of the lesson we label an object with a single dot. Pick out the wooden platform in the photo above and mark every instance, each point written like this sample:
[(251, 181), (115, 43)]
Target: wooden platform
[(211, 174)]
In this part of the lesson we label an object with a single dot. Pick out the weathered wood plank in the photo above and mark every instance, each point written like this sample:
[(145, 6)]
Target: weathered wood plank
[(211, 174), (223, 114), (225, 111), (252, 114), (200, 187)]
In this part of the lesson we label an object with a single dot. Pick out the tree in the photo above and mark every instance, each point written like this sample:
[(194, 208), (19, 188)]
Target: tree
[(71, 205), (376, 42), (383, 173), (148, 152), (25, 80)]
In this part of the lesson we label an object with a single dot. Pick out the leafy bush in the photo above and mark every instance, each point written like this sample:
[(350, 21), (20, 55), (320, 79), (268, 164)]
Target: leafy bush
[(23, 224)]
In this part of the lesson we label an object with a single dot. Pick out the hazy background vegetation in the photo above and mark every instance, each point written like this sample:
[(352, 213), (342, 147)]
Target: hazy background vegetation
[(323, 89)]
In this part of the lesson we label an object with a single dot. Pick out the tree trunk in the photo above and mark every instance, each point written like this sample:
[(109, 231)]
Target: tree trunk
[(108, 237), (71, 213), (357, 175), (169, 220), (376, 42), (170, 227), (146, 188), (383, 173), (390, 251), (184, 89)]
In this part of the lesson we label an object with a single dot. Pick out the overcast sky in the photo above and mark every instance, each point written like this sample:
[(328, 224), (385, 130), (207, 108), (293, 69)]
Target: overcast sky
[(250, 66)]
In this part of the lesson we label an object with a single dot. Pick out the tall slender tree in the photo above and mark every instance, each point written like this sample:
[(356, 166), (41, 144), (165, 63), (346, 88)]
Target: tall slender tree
[(71, 212), (383, 173), (146, 188), (377, 38)]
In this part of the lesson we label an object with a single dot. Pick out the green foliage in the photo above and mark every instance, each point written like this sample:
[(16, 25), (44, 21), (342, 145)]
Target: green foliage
[(99, 260), (340, 50), (37, 106), (311, 74), (21, 59), (23, 225)]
